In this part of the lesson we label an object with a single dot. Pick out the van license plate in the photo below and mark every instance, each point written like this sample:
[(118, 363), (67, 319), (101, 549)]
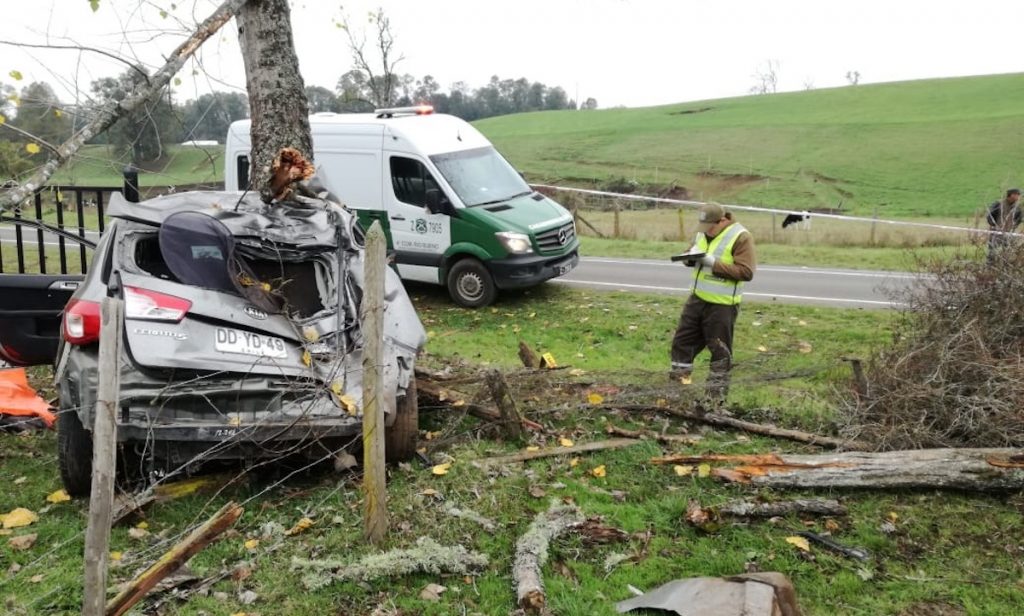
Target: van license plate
[(565, 268), (248, 343)]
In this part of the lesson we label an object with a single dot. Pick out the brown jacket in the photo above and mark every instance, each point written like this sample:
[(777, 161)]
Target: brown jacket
[(744, 260)]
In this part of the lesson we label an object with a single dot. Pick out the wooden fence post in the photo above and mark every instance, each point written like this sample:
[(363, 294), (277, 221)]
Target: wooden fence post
[(682, 225), (615, 232), (874, 223), (104, 453), (375, 514)]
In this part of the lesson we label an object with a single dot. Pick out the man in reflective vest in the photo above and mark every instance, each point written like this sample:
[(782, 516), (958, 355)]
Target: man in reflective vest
[(709, 314)]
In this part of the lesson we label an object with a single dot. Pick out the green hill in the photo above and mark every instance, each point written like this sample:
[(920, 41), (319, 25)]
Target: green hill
[(919, 148)]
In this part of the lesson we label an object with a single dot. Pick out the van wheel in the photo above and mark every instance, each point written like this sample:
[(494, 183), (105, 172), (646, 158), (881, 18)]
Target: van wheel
[(400, 438), (74, 453), (470, 284)]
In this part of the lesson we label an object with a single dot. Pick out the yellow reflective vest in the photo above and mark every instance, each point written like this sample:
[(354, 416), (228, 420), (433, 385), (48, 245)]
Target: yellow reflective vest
[(715, 289)]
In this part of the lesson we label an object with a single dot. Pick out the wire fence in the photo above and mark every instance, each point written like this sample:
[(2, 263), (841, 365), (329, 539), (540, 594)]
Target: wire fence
[(626, 216)]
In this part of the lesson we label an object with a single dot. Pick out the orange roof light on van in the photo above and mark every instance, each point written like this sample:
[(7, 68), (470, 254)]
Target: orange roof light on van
[(396, 111)]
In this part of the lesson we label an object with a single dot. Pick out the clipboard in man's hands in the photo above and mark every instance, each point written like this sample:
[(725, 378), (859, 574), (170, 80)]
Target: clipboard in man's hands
[(689, 256)]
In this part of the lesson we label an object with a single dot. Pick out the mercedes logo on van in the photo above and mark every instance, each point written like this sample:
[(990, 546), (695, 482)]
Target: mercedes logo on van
[(255, 313), (563, 236)]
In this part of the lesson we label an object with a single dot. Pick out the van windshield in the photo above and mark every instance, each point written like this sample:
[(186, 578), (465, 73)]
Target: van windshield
[(481, 176)]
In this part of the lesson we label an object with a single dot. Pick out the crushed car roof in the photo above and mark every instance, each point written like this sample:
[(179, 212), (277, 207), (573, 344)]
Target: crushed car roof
[(310, 222)]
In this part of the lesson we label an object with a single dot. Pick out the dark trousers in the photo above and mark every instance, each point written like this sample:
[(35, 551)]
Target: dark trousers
[(705, 325)]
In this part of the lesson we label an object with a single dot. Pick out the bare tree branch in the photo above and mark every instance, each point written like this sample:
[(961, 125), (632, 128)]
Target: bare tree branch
[(113, 56), (113, 111)]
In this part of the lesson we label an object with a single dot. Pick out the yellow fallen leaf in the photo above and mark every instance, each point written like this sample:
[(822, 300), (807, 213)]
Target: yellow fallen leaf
[(32, 148), (143, 525), (350, 404), (19, 517), (801, 322), (115, 556), (307, 359), (60, 496), (893, 516), (251, 544), (299, 527), (441, 469), (310, 334), (58, 113), (574, 463), (599, 471), (239, 614), (704, 470), (804, 347), (577, 372), (35, 579), (686, 380), (800, 543), (458, 403), (178, 489), (564, 442), (595, 398), (661, 403), (429, 492), (429, 436), (683, 470), (2, 118), (533, 448), (762, 349), (831, 525)]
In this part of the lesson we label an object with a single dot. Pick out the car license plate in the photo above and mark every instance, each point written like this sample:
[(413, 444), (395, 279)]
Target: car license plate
[(247, 343), (565, 268)]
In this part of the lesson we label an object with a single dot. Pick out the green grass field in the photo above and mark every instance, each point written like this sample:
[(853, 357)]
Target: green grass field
[(931, 552), (97, 165), (940, 147)]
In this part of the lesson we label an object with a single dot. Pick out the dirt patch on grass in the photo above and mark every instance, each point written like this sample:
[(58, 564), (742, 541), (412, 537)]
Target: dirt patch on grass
[(690, 111), (933, 608)]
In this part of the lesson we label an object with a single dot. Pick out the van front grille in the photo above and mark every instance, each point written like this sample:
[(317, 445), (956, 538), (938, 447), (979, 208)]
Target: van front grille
[(555, 239)]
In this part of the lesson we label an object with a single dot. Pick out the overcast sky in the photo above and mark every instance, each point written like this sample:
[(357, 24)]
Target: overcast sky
[(621, 52)]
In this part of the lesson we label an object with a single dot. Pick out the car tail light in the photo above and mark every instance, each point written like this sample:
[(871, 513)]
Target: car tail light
[(81, 322), (152, 306)]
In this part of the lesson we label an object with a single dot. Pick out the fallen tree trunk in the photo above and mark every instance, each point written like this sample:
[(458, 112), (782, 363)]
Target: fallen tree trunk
[(532, 553), (174, 559), (436, 391), (617, 443), (722, 421), (975, 470), (748, 509)]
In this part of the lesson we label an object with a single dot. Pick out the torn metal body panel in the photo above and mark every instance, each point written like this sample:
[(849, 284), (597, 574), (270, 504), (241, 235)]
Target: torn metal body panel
[(242, 333)]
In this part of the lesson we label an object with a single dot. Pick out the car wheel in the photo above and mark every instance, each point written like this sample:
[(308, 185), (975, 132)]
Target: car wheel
[(74, 453), (470, 284), (400, 437)]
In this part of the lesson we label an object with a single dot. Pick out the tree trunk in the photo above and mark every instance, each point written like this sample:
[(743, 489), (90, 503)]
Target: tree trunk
[(976, 470), (277, 96), (532, 553)]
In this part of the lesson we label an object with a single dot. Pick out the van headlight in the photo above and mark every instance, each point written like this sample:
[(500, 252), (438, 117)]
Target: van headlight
[(515, 243)]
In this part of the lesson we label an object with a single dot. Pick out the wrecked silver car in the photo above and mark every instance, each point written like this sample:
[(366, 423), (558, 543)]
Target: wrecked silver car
[(241, 335)]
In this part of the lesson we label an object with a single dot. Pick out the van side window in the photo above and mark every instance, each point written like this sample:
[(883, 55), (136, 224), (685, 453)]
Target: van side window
[(242, 170), (411, 181)]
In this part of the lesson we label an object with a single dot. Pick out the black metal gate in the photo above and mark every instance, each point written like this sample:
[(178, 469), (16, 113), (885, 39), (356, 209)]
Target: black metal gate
[(66, 220)]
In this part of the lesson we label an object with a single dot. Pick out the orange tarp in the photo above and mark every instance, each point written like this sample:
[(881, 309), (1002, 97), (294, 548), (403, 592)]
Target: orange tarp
[(18, 398)]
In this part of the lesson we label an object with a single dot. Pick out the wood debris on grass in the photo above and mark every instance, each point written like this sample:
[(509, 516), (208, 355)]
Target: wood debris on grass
[(976, 470), (174, 559), (667, 439), (472, 516), (532, 552), (752, 509), (427, 556)]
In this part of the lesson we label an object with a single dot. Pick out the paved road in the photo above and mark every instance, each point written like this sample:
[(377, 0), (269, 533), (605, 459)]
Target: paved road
[(794, 285)]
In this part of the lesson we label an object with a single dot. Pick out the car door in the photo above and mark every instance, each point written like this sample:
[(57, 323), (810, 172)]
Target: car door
[(31, 304), (419, 237)]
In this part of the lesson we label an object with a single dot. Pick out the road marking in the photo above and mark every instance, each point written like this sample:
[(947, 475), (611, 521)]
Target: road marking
[(766, 268), (777, 295)]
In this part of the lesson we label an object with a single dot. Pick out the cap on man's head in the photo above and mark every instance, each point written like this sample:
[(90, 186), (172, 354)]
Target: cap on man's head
[(710, 213), (1013, 191)]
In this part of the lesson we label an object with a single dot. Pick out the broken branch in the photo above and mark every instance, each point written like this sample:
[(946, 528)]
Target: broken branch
[(685, 439), (435, 391), (718, 420), (617, 443), (532, 552), (113, 111), (174, 559)]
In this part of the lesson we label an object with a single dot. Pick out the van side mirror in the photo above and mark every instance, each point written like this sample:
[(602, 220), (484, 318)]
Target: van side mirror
[(436, 202)]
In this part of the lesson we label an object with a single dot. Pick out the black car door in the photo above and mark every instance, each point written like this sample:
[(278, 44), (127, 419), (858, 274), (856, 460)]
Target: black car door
[(32, 303)]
